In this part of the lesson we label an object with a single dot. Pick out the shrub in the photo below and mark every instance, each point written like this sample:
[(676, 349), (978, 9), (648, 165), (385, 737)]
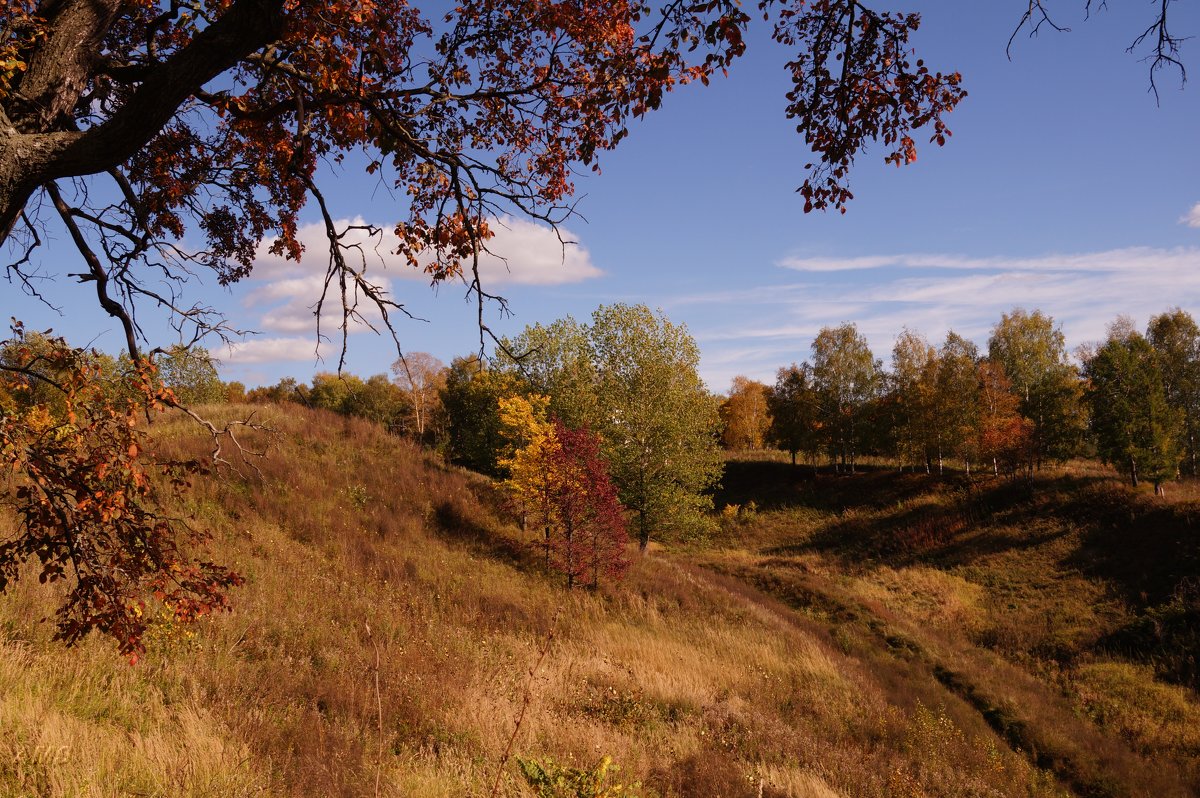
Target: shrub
[(552, 780)]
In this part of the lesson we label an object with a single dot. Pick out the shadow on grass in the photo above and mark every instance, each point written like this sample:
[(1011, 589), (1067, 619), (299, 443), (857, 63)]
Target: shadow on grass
[(1144, 546), (453, 523), (773, 485)]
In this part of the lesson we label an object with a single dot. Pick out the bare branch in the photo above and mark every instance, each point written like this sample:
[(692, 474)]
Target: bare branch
[(1034, 18), (96, 272)]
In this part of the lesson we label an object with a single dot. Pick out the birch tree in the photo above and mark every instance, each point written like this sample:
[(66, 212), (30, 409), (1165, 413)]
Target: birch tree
[(658, 422), (847, 376)]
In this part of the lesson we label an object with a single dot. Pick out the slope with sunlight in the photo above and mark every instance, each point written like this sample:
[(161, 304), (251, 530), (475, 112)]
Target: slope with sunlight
[(397, 635)]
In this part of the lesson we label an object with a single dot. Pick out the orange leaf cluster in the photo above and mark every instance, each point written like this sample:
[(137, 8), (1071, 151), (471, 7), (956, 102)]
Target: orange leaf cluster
[(88, 505)]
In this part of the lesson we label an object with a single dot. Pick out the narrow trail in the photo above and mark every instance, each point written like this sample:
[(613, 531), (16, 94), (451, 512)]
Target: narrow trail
[(1027, 715)]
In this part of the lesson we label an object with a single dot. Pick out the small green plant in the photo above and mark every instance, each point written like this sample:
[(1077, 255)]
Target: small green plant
[(733, 515), (358, 496), (552, 780)]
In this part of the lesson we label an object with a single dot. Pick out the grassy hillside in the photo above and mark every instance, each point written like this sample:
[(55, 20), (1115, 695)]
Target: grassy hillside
[(1065, 612), (398, 636)]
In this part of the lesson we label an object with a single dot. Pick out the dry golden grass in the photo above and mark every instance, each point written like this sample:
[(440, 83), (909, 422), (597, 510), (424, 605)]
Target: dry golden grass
[(679, 681), (931, 596), (694, 680), (1161, 720), (1017, 613)]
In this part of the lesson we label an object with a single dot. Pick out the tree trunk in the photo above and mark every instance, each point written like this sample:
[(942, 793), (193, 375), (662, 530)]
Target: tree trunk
[(643, 532), (570, 558), (39, 141), (853, 441), (1133, 471)]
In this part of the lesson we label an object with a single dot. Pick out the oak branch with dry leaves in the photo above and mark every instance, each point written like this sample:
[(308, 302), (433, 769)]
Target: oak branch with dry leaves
[(128, 124)]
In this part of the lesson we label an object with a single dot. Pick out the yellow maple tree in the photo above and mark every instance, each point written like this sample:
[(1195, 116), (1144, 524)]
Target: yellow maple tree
[(531, 447)]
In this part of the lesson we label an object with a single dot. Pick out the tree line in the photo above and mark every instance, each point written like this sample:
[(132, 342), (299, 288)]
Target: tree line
[(599, 427), (621, 394), (1132, 400)]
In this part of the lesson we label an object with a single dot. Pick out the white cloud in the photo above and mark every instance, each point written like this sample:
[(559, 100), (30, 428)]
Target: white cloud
[(521, 252), (1192, 217), (761, 328), (270, 350), (835, 264), (285, 293), (527, 253), (1113, 260)]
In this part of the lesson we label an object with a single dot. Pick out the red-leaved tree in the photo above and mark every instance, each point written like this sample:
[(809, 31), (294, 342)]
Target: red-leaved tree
[(128, 125), (1005, 436), (590, 537)]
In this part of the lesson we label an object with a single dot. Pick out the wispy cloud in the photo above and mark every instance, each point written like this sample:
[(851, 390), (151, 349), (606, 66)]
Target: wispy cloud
[(836, 264), (764, 327), (1192, 217), (1114, 260)]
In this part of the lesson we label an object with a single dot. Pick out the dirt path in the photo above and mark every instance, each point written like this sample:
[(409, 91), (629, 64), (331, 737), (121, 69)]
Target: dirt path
[(909, 659)]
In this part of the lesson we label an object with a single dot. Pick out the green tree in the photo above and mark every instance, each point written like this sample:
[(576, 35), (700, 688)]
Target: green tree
[(191, 373), (378, 400), (336, 392), (913, 398), (556, 360), (1032, 353), (657, 421), (471, 398), (1137, 430), (794, 408), (847, 377), (1176, 340), (957, 402), (286, 390)]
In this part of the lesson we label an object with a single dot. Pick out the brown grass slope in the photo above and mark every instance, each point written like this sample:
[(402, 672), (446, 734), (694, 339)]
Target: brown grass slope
[(1064, 613), (392, 629)]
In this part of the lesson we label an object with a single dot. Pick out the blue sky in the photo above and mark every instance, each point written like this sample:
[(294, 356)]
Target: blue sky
[(1065, 188)]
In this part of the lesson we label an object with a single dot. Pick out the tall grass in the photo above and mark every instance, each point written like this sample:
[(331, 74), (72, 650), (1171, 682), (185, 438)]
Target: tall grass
[(695, 680), (1056, 610)]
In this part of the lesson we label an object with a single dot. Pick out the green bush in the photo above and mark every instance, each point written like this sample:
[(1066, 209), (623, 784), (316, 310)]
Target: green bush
[(552, 780)]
